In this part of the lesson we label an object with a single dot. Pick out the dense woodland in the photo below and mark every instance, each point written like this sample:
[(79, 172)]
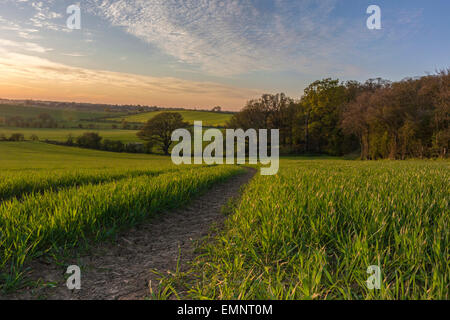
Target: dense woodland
[(378, 118)]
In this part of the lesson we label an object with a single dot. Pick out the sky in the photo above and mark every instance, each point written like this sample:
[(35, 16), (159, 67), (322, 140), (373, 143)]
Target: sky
[(204, 53)]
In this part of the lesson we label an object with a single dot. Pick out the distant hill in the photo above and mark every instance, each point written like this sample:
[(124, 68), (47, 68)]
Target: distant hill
[(42, 114)]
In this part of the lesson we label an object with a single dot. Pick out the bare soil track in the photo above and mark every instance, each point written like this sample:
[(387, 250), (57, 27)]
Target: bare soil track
[(123, 269)]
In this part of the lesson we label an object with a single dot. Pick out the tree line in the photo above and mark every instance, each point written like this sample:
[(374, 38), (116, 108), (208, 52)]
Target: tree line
[(379, 118), (92, 140), (88, 140)]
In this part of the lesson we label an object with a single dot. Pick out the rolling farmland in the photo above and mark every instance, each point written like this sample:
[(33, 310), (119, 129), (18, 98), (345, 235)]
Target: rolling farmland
[(228, 155), (310, 233), (7, 110), (109, 125)]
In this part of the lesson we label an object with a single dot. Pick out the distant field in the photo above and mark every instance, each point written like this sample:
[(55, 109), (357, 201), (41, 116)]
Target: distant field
[(38, 156), (57, 114), (61, 134), (210, 119)]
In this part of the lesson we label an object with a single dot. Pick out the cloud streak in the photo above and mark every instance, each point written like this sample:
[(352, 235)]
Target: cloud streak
[(270, 44), (27, 46), (230, 37)]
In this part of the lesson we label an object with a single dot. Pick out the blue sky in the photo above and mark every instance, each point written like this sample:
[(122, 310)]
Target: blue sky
[(202, 53)]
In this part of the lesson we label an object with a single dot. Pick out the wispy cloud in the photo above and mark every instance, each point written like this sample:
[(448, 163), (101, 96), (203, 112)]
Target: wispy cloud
[(229, 37), (27, 46), (74, 54), (44, 16), (39, 14), (270, 44)]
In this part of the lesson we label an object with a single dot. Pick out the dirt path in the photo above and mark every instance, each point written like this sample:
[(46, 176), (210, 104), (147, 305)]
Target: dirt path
[(122, 270)]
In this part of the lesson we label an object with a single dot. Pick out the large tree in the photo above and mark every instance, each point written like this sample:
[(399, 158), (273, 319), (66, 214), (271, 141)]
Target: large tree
[(90, 140), (271, 111), (322, 103), (356, 120), (158, 130)]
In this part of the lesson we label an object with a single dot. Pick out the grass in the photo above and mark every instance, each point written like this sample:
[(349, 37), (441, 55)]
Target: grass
[(210, 119), (60, 134), (46, 211), (312, 231), (36, 156), (19, 184)]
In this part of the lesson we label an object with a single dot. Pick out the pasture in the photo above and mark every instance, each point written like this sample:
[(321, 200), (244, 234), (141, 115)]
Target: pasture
[(38, 156), (69, 122), (210, 119), (7, 110), (61, 135)]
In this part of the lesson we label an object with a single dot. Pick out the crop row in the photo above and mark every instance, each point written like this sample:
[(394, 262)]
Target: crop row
[(313, 230), (17, 184), (49, 221)]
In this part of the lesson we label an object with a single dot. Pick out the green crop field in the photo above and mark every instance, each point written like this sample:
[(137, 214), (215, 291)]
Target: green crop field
[(53, 197), (210, 119), (311, 232)]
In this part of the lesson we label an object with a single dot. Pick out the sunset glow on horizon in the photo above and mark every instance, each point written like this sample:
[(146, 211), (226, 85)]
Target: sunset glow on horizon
[(194, 54), (29, 77)]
